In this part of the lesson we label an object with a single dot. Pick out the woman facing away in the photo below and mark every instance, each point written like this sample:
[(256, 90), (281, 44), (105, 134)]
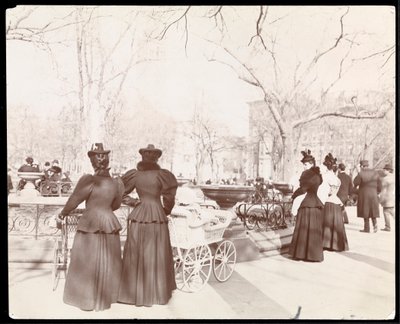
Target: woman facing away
[(307, 236), (94, 272), (334, 233), (148, 275)]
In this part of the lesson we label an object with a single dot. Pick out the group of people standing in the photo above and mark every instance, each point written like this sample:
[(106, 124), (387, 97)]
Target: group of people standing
[(321, 200), (98, 274)]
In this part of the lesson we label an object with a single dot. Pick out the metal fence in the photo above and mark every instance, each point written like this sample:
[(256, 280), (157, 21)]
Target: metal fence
[(36, 220)]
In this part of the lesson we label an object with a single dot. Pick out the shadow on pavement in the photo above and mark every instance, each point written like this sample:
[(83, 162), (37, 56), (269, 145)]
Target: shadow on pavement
[(375, 262)]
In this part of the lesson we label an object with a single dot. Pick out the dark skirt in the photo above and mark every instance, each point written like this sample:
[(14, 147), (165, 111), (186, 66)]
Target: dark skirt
[(94, 272), (148, 275), (334, 232), (307, 236)]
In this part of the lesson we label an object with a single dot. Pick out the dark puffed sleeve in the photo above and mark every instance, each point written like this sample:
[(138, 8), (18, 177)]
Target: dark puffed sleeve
[(129, 182), (81, 193), (168, 189), (118, 196), (303, 185)]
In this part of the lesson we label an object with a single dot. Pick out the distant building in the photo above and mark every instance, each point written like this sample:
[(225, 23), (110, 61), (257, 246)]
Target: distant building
[(346, 138)]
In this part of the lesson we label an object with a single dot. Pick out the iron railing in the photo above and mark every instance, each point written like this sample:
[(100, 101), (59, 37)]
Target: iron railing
[(269, 210), (36, 220)]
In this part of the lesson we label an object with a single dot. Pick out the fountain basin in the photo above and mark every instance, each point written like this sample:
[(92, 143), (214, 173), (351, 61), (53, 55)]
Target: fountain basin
[(30, 178), (227, 196)]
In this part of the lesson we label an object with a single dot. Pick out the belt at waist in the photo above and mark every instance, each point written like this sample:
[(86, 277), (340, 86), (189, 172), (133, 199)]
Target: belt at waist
[(152, 222)]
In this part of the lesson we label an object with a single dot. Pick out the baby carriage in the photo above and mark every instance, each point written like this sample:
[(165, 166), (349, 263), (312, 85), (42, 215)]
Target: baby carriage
[(193, 239), (63, 245)]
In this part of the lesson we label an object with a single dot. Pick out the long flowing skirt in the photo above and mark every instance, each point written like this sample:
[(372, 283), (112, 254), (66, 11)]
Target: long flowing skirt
[(334, 232), (94, 272), (148, 275), (307, 236)]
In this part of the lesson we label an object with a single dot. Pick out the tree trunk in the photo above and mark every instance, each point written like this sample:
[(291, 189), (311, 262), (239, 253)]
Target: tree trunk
[(287, 156)]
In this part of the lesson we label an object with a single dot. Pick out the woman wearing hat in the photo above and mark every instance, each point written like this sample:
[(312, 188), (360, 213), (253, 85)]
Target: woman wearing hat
[(334, 234), (148, 275), (307, 236), (95, 269)]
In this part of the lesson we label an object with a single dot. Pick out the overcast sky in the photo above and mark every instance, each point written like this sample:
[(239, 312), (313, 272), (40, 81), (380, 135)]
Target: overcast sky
[(178, 83)]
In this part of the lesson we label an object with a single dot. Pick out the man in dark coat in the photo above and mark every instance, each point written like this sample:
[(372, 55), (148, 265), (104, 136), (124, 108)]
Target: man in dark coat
[(369, 186), (345, 189)]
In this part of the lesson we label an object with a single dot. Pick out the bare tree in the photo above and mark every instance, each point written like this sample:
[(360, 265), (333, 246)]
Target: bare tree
[(260, 64)]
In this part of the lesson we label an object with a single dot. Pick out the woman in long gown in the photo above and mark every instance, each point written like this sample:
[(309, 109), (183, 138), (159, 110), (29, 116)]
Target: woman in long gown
[(148, 275), (307, 236), (94, 271), (334, 233)]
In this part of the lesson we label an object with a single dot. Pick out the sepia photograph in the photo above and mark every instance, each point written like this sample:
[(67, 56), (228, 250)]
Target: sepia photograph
[(201, 162)]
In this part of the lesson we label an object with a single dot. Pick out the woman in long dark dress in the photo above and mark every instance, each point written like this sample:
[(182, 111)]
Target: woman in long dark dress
[(148, 275), (334, 233), (307, 236), (94, 271)]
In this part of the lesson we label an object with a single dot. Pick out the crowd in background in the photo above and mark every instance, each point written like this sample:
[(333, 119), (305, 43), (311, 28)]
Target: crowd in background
[(319, 205)]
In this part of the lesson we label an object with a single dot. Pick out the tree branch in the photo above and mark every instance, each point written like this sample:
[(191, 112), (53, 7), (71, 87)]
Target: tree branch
[(364, 114), (315, 60), (377, 53), (260, 20), (174, 22), (214, 15)]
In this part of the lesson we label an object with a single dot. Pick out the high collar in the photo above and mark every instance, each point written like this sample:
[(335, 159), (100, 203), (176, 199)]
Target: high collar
[(102, 172), (147, 165), (315, 169)]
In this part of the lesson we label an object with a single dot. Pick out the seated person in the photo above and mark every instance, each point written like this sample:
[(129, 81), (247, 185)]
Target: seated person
[(50, 185), (261, 190), (66, 183), (45, 174), (46, 169)]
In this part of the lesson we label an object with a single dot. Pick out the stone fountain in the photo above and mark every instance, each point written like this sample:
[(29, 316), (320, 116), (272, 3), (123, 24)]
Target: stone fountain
[(30, 188), (227, 196)]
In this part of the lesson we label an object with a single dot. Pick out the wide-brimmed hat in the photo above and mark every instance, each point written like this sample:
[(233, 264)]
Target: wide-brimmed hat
[(364, 163), (150, 148), (388, 167), (97, 148)]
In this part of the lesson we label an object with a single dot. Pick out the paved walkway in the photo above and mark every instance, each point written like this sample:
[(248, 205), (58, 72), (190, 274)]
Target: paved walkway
[(357, 284)]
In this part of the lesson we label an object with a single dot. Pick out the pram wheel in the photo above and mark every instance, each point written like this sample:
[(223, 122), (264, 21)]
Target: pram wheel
[(224, 261)]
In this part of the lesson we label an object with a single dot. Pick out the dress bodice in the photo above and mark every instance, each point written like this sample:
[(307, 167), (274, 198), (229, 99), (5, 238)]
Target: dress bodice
[(334, 184), (103, 195), (156, 189), (310, 180)]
